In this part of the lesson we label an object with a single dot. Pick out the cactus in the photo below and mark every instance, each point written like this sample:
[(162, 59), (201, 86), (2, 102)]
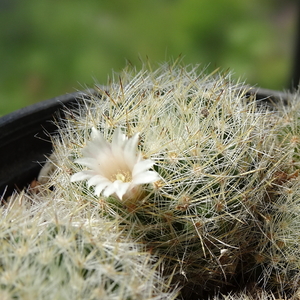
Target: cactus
[(222, 213), (48, 251)]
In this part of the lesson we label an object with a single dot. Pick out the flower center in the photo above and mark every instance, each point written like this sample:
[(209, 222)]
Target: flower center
[(122, 176)]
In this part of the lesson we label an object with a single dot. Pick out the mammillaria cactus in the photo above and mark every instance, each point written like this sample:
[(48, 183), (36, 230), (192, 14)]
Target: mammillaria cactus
[(191, 168), (48, 251)]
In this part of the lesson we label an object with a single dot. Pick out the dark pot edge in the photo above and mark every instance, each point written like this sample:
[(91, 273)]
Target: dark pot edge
[(32, 113), (25, 141)]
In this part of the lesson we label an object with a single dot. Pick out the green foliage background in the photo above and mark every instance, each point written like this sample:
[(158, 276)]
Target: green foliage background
[(48, 48)]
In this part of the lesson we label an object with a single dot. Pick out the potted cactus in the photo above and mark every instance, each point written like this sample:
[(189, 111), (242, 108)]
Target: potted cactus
[(186, 182)]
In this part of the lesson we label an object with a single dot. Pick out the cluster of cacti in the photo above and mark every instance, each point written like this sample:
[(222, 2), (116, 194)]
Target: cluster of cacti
[(219, 206)]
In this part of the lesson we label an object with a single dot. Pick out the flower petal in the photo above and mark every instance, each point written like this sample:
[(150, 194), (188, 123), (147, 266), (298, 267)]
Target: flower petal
[(110, 189), (97, 143), (87, 161), (142, 166), (101, 186), (122, 189), (95, 134), (118, 187), (83, 175), (91, 150), (145, 177), (117, 147), (118, 139), (130, 154), (96, 180)]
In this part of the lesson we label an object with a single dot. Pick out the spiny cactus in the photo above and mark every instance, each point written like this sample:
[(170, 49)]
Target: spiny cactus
[(224, 211), (48, 251), (214, 214)]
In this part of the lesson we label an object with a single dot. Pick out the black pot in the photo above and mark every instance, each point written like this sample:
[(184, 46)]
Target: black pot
[(25, 141)]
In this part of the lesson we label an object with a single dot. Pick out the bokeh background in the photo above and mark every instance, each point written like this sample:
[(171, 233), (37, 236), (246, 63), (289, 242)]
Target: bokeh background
[(52, 47)]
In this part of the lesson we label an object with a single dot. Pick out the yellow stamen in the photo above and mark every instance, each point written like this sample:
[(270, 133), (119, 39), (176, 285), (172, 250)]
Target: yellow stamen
[(122, 176)]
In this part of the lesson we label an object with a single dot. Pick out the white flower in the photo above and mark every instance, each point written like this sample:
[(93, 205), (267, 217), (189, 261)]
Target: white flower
[(116, 167)]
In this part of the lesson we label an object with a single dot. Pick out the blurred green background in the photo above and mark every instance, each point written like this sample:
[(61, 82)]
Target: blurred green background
[(52, 47)]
